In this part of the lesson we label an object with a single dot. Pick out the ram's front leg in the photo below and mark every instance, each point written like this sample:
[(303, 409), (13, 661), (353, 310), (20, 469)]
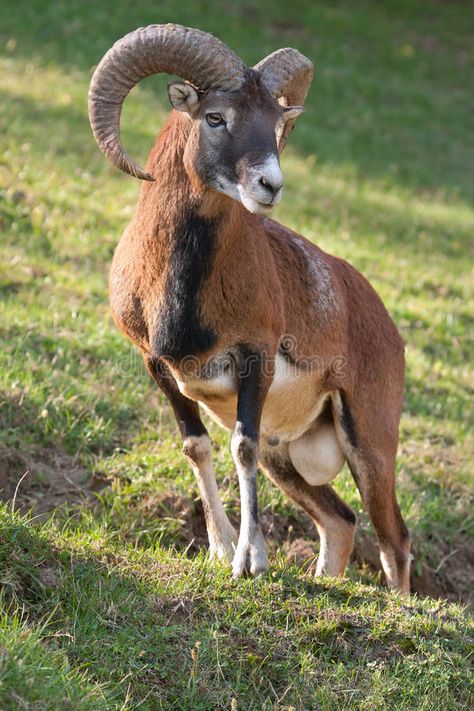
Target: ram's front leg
[(251, 553), (197, 448)]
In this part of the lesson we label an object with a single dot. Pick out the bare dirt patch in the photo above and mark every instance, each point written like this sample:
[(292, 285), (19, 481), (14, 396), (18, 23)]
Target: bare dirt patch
[(44, 481)]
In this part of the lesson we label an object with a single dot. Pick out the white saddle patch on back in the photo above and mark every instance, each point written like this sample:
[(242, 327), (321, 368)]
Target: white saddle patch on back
[(317, 454), (324, 296)]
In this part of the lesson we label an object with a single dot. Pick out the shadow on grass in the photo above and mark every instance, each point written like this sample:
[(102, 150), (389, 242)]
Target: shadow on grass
[(134, 619), (139, 512)]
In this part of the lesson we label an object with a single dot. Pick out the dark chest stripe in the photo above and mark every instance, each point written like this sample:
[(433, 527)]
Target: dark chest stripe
[(180, 329)]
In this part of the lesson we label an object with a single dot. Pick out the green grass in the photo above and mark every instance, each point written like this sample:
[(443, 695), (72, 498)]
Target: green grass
[(168, 631), (112, 603)]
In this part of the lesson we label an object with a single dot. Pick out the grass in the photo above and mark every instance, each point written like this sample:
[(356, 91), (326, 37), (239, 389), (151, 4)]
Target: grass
[(111, 602), (167, 631)]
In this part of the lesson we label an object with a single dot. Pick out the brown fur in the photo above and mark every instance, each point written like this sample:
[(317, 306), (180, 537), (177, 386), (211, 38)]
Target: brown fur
[(260, 288)]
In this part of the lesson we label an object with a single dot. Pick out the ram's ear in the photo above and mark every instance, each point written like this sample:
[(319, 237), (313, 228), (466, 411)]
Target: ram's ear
[(183, 97), (286, 123), (292, 112)]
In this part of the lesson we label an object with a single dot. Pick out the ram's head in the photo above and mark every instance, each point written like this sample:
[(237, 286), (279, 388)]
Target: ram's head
[(239, 117)]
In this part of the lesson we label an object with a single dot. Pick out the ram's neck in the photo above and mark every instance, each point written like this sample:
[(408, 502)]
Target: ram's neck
[(185, 229), (177, 189)]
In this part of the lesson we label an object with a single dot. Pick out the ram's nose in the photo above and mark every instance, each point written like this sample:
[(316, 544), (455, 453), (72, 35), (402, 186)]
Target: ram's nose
[(272, 185), (270, 180)]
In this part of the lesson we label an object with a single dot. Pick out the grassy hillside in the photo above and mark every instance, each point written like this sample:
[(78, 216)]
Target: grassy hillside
[(110, 601)]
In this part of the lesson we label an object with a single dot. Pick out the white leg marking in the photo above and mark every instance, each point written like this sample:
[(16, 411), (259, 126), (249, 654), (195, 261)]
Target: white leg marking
[(387, 558), (335, 547), (251, 553), (391, 570), (222, 535)]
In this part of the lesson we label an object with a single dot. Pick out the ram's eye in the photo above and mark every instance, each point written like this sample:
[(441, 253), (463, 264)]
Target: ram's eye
[(214, 119)]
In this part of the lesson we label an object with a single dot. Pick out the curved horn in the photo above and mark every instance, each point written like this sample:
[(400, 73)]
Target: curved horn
[(287, 74), (191, 54)]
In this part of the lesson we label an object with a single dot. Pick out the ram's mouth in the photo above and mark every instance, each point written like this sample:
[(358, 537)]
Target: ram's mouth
[(253, 204), (257, 207), (265, 206)]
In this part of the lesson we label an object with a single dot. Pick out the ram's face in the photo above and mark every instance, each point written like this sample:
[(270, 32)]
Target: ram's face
[(236, 151)]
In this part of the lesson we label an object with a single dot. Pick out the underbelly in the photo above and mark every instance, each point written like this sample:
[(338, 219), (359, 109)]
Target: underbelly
[(292, 404)]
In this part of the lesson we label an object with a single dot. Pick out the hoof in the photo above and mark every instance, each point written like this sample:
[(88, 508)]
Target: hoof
[(223, 548), (250, 558)]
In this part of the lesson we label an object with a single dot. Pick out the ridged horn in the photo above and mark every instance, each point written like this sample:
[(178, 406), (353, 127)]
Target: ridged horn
[(191, 54), (288, 75)]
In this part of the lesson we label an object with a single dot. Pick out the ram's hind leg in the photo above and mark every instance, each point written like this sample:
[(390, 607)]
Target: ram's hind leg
[(334, 520), (370, 444), (197, 448)]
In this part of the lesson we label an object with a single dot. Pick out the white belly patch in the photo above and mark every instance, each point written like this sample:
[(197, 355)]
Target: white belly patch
[(290, 414), (291, 406)]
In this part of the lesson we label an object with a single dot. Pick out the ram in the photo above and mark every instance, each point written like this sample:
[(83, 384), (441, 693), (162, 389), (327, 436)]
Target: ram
[(285, 345)]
